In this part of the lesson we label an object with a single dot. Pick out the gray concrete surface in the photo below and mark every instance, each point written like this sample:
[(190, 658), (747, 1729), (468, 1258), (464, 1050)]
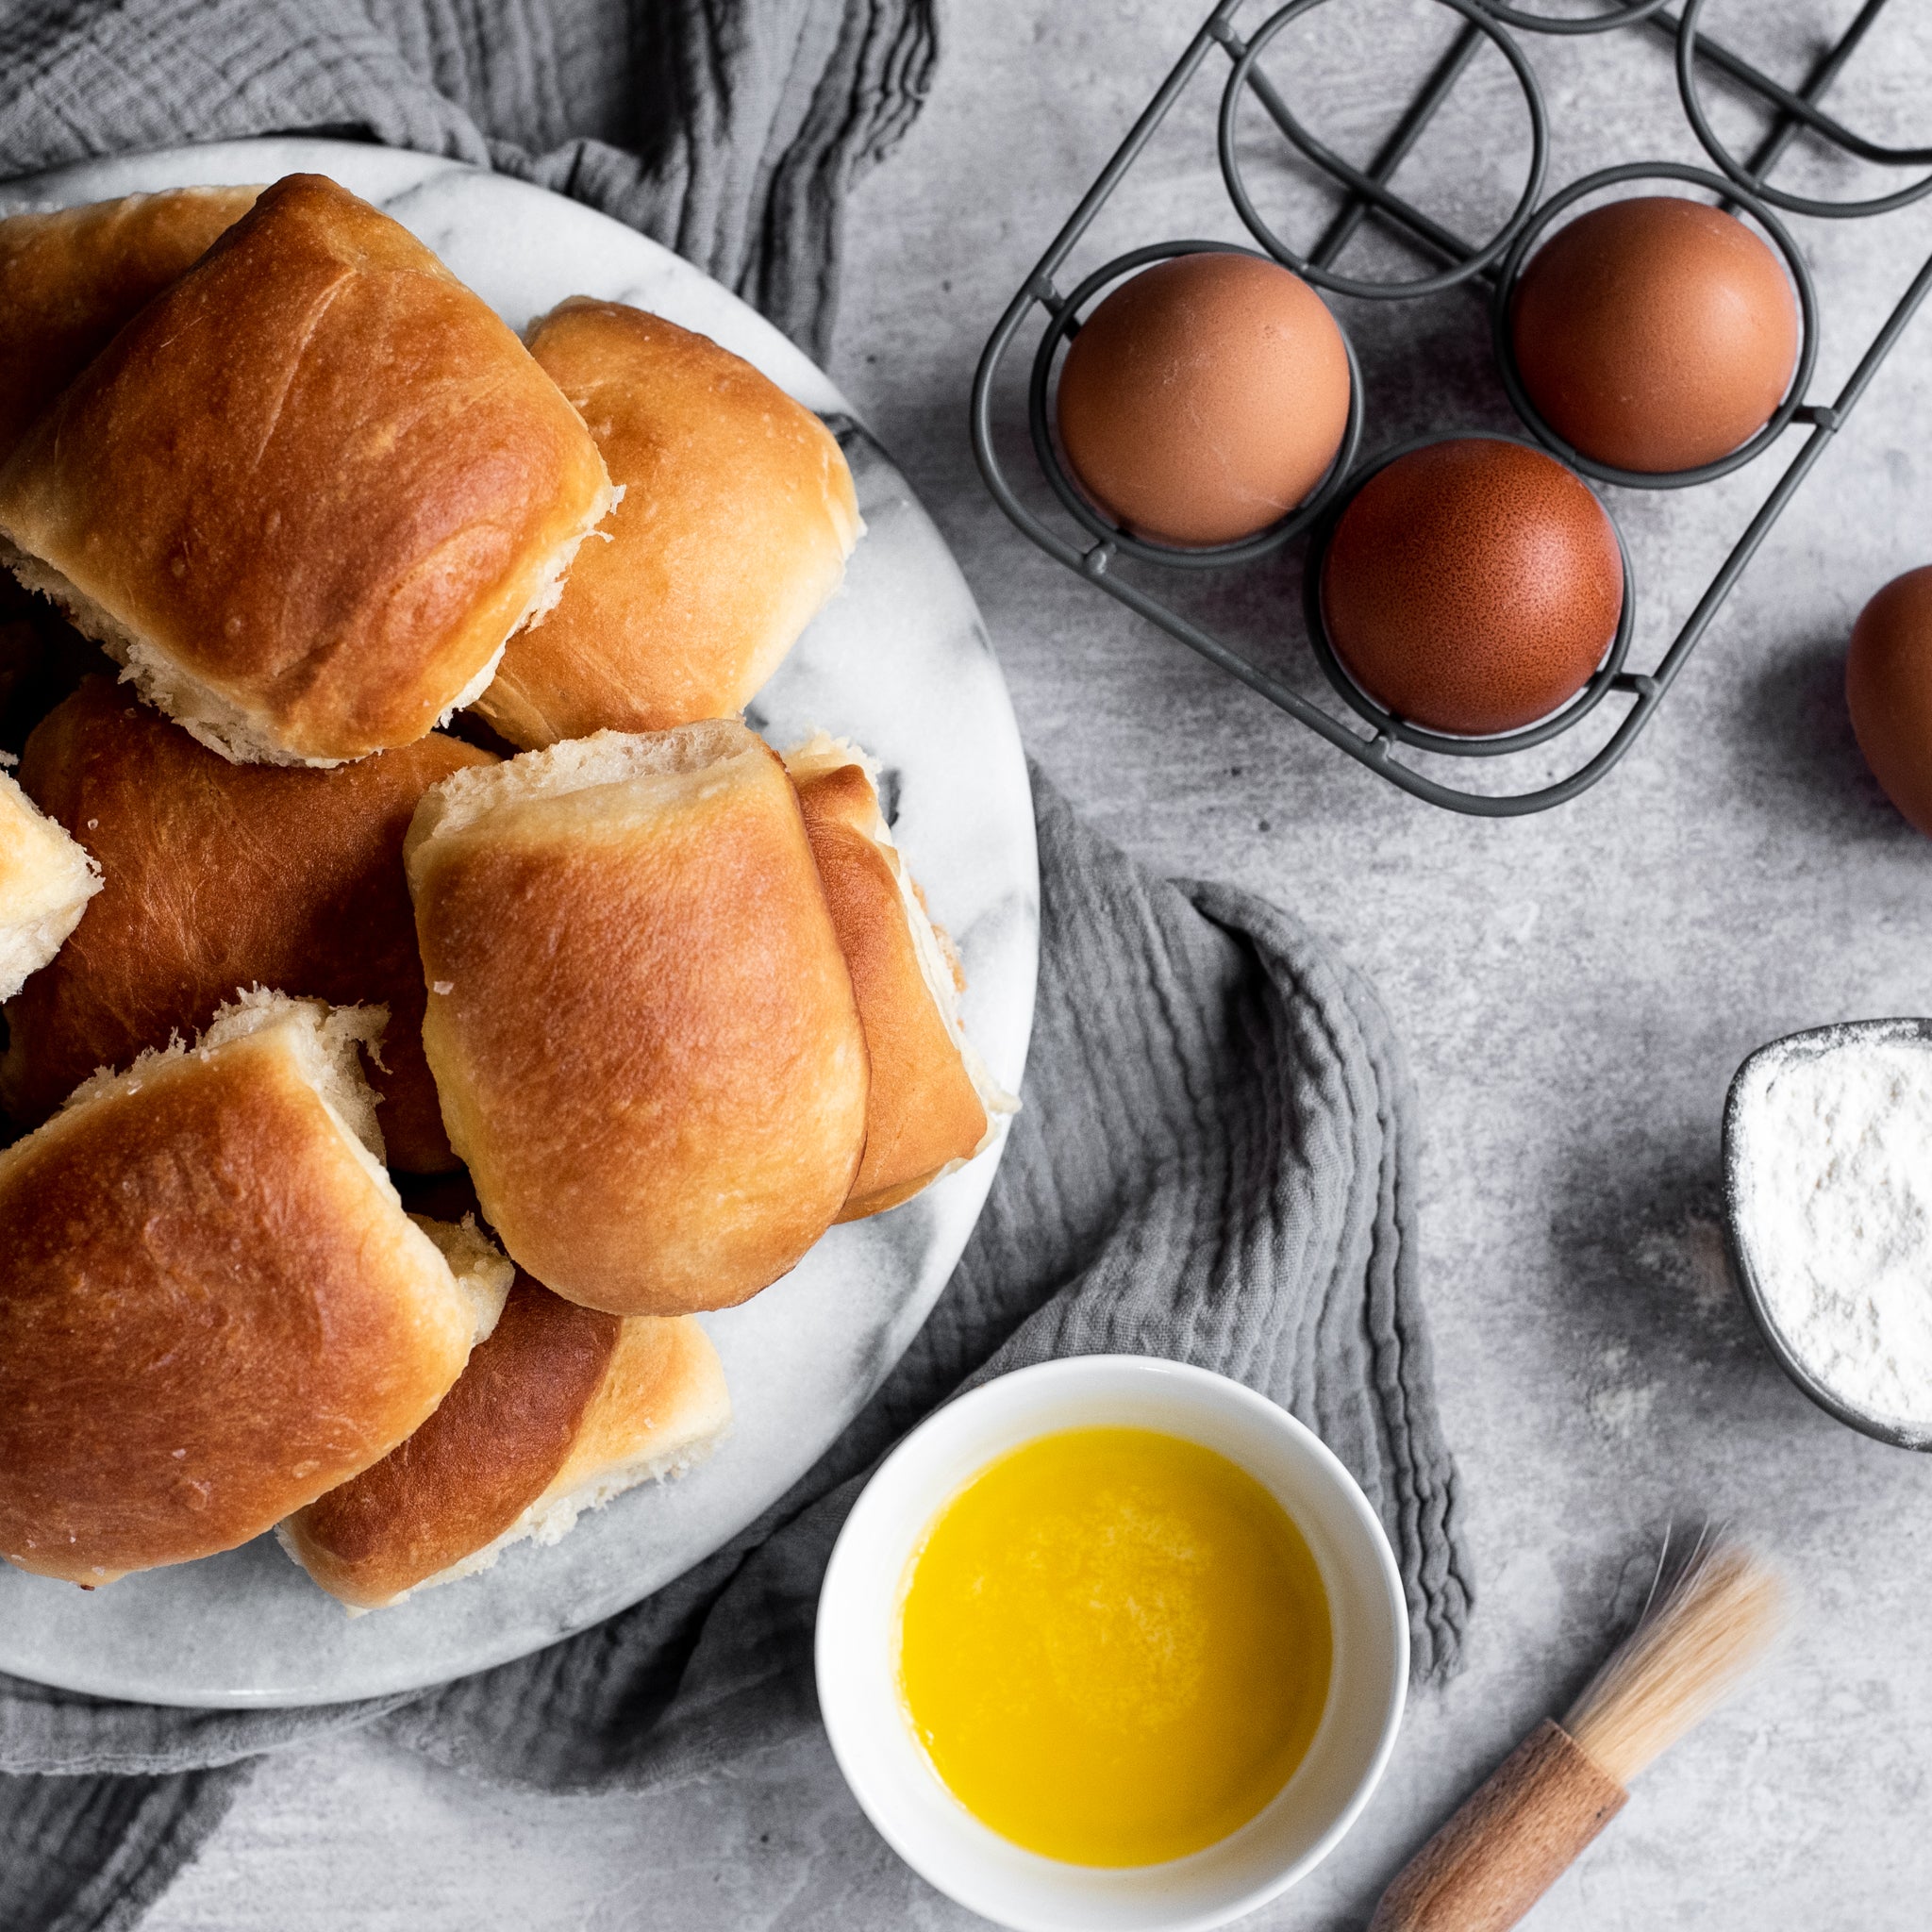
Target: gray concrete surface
[(1575, 990)]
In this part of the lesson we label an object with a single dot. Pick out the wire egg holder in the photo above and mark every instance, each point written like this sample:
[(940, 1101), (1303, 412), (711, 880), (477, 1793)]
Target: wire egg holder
[(1742, 184)]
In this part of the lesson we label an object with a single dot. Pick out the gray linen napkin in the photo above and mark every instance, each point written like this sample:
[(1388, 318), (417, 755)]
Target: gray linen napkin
[(1216, 1155), (727, 129)]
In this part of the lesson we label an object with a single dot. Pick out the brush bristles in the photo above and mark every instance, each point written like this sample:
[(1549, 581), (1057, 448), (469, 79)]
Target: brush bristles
[(1690, 1647)]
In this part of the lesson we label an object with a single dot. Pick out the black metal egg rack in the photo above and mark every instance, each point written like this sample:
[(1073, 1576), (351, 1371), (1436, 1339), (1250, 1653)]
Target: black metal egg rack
[(1366, 730)]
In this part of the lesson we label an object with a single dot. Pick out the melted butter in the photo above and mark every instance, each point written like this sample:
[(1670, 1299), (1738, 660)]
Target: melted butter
[(1114, 1647)]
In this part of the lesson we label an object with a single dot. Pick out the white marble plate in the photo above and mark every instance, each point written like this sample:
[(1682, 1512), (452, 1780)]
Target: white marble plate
[(898, 662)]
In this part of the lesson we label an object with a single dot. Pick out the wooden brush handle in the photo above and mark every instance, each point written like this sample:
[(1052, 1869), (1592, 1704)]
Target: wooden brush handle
[(1509, 1842)]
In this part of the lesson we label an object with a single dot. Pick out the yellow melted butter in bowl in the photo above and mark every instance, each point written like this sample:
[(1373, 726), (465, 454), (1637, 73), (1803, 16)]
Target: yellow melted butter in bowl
[(1114, 1647)]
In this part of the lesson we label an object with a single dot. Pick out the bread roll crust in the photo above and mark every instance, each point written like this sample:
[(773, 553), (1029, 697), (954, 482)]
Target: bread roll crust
[(492, 1448), (70, 278), (640, 1021), (307, 493), (932, 1104), (737, 519), (213, 1307), (662, 1403), (221, 877), (560, 1406)]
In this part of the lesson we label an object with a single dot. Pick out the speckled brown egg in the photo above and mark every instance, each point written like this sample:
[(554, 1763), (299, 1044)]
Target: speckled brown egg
[(1472, 586), (1203, 399), (1656, 334), (1888, 688)]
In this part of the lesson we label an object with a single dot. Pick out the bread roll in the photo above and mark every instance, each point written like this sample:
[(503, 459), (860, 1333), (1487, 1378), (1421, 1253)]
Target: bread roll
[(640, 1023), (46, 882), (560, 1409), (309, 491), (221, 877), (737, 519), (212, 1307), (69, 279), (933, 1104)]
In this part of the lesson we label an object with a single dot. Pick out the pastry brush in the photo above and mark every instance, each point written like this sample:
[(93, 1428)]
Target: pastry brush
[(1551, 1796)]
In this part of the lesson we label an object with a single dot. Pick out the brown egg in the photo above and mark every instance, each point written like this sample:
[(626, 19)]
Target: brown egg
[(1656, 334), (1888, 688), (1473, 586), (1203, 399)]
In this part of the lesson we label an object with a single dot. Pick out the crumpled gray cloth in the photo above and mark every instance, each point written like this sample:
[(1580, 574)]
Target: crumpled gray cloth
[(727, 129), (1215, 1162)]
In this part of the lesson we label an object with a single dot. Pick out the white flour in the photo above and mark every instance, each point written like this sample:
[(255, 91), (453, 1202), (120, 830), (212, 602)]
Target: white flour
[(1835, 1212)]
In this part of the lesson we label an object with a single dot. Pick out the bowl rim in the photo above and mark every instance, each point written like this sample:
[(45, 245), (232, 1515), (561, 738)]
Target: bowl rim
[(1043, 1380), (1893, 1430)]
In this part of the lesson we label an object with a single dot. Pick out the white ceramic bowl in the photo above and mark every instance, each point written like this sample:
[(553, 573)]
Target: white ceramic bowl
[(889, 1770)]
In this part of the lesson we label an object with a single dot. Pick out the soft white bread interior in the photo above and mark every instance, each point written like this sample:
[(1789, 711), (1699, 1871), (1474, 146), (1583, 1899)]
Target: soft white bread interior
[(578, 766), (46, 882), (212, 1305), (306, 494), (934, 1103), (561, 1409), (641, 1029), (737, 518), (479, 1268)]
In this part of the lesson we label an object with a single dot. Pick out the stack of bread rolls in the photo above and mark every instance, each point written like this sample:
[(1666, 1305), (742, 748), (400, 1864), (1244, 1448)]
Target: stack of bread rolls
[(655, 1004)]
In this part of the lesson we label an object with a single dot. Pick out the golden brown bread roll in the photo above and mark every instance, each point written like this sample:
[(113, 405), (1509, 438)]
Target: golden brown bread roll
[(221, 877), (69, 279), (933, 1104), (737, 519), (309, 491), (212, 1307), (560, 1409), (640, 1023), (46, 882)]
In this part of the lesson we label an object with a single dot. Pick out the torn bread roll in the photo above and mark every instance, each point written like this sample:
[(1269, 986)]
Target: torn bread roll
[(737, 519), (46, 882), (70, 278), (308, 492), (640, 1021), (220, 876), (933, 1104), (212, 1307), (560, 1409)]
